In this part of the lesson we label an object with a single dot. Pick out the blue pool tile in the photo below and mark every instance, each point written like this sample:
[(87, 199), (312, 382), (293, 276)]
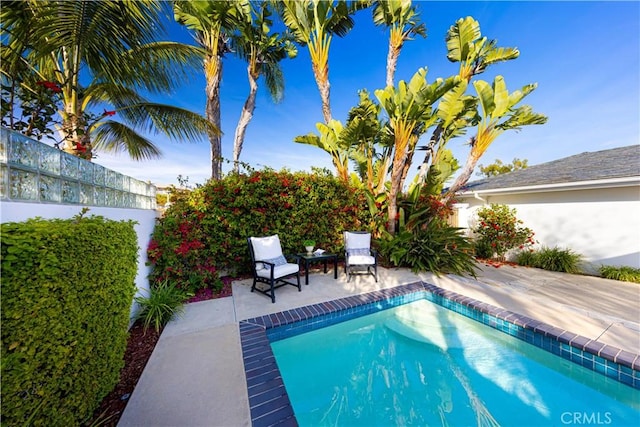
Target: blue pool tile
[(608, 352)]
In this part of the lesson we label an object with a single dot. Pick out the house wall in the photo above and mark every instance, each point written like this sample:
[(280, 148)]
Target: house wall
[(20, 211), (601, 224)]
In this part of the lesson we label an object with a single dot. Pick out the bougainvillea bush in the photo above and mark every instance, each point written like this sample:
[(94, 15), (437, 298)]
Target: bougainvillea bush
[(206, 229)]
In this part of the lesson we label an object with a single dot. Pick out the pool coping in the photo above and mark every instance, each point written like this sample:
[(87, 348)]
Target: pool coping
[(268, 399)]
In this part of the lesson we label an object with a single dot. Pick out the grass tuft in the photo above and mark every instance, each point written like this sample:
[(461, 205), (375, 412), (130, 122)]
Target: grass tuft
[(624, 273), (551, 259)]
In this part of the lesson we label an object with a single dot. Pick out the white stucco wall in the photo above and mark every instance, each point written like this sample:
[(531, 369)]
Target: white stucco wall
[(145, 218), (601, 224)]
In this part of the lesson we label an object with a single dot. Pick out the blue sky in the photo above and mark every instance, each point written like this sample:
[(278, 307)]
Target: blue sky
[(585, 57)]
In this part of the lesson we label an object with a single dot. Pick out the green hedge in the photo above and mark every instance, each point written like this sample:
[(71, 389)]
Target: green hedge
[(67, 289), (207, 229)]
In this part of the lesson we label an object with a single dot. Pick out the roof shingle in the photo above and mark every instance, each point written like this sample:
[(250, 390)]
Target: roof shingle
[(620, 162)]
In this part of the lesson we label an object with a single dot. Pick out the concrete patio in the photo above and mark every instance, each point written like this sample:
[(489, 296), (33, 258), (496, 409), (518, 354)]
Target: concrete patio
[(195, 376)]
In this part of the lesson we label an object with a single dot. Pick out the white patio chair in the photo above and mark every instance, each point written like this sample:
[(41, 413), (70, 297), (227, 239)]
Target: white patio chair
[(270, 266), (358, 255)]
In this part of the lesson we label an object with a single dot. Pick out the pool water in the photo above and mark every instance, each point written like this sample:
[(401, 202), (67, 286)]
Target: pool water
[(422, 364)]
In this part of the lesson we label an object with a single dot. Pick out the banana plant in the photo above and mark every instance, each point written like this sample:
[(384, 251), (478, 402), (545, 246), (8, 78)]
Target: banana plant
[(456, 112), (364, 131), (499, 113), (474, 53), (411, 111), (466, 45), (331, 141)]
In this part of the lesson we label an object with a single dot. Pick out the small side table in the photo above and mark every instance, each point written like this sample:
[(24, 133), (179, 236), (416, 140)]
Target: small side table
[(311, 258)]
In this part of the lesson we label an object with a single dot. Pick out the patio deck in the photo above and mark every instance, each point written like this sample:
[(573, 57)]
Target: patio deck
[(195, 376)]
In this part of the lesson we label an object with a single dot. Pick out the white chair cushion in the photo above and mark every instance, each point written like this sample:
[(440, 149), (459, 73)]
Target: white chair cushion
[(278, 271), (357, 240), (266, 248), (361, 260)]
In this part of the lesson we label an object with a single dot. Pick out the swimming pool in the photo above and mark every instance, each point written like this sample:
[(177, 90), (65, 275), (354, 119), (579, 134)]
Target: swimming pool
[(269, 399), (422, 364)]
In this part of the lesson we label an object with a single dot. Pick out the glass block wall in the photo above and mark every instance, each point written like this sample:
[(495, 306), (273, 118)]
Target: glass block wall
[(31, 171)]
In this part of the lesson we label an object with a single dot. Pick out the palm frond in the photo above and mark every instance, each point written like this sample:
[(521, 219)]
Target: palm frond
[(155, 67), (522, 116), (176, 123), (274, 80), (115, 137)]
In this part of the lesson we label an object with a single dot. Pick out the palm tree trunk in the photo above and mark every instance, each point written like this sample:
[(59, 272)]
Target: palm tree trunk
[(424, 168), (324, 88), (392, 61), (213, 115), (396, 185), (245, 118), (462, 179), (397, 170)]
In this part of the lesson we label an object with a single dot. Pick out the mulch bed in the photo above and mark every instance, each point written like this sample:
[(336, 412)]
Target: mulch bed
[(140, 345)]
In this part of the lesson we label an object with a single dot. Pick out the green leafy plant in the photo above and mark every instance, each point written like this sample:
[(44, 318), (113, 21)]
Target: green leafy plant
[(206, 229), (164, 302), (551, 259), (437, 247), (309, 242), (499, 229), (67, 288), (483, 249), (622, 273), (526, 258)]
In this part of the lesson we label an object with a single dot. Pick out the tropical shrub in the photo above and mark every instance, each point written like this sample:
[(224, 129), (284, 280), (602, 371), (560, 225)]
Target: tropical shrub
[(623, 273), (67, 289), (425, 241), (206, 229), (499, 229), (436, 247), (552, 259), (164, 302)]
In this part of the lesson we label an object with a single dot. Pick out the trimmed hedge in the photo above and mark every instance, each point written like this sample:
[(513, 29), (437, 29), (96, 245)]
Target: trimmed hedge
[(207, 229), (67, 288)]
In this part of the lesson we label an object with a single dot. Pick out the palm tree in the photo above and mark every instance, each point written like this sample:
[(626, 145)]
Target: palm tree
[(94, 54), (313, 22), (402, 19), (213, 22), (499, 114), (263, 51)]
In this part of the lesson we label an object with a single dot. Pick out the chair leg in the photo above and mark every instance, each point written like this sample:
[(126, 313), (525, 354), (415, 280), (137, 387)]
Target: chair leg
[(273, 292), (253, 288), (375, 269), (298, 278)]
